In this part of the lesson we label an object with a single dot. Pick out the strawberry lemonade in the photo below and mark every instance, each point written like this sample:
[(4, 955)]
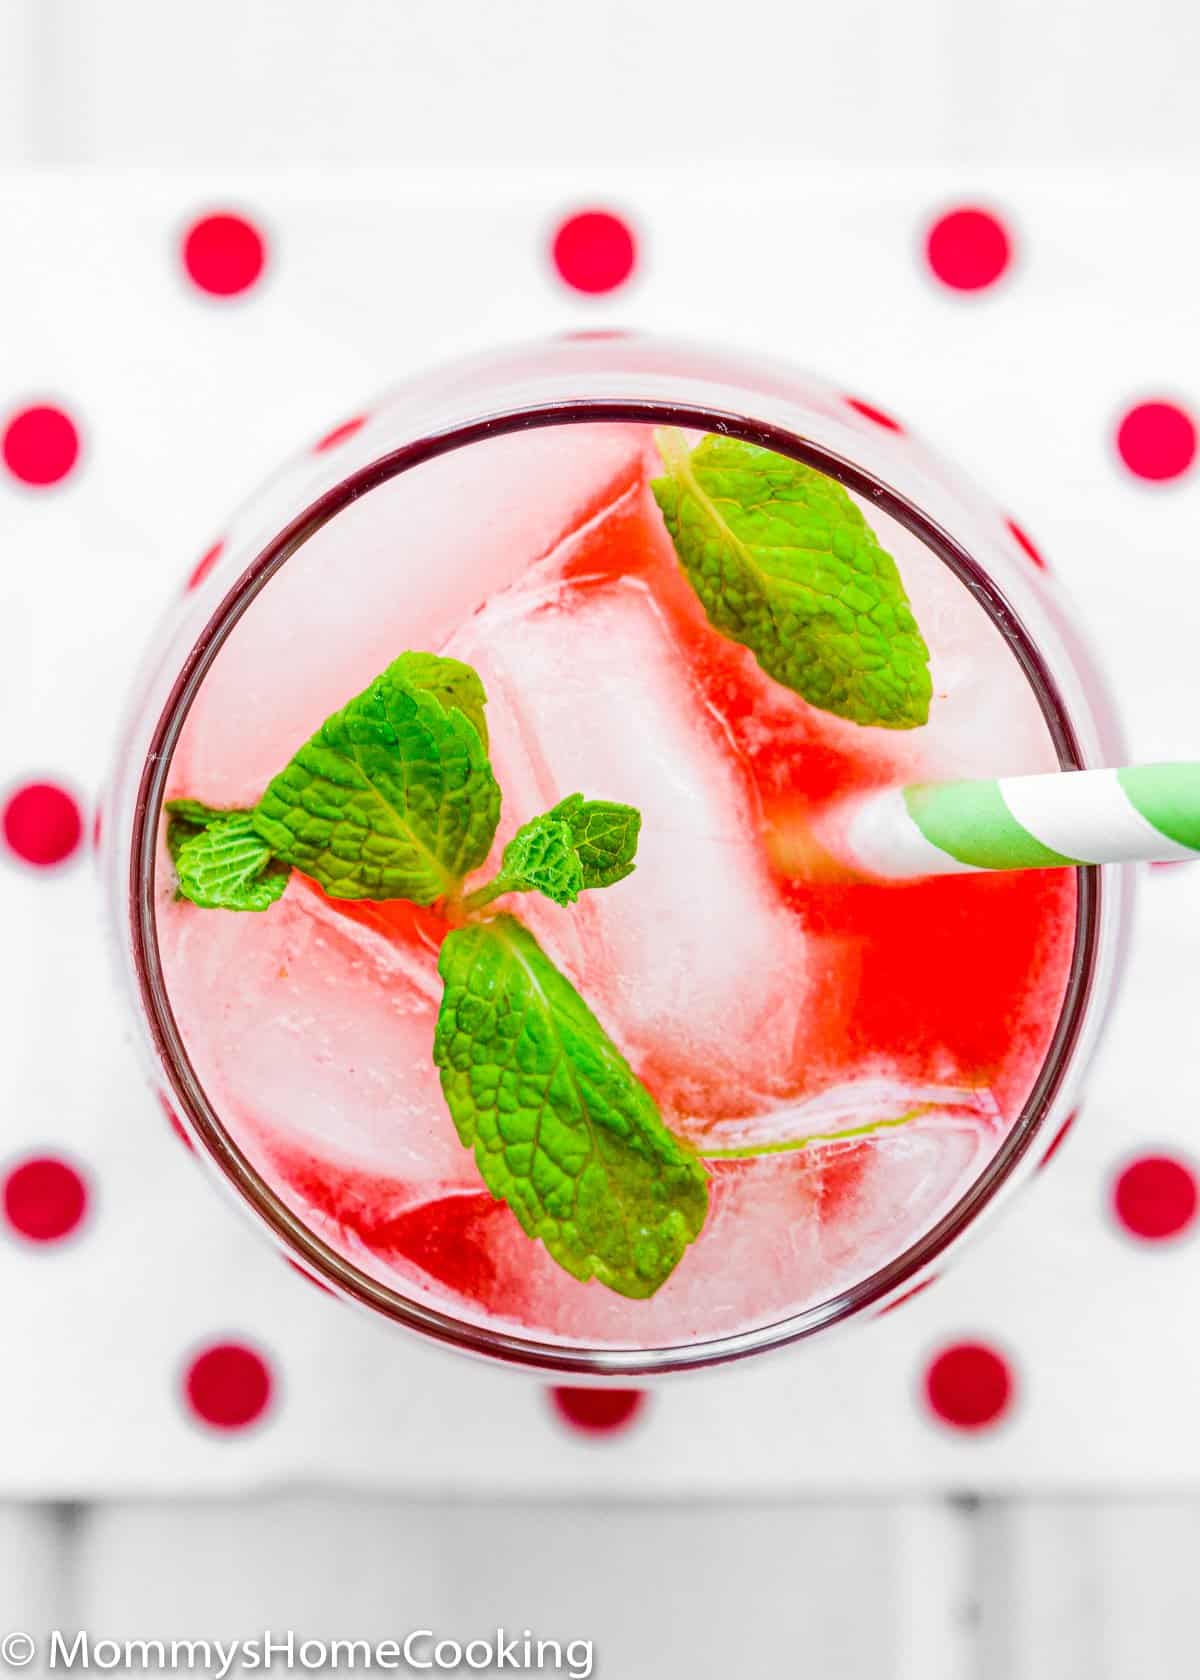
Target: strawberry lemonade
[(477, 921)]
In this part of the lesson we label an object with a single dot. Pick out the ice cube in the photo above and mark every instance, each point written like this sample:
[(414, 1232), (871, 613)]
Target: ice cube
[(692, 962), (309, 1029), (398, 569)]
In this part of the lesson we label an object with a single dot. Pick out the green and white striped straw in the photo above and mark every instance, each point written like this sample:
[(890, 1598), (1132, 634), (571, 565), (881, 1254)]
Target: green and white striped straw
[(1149, 813)]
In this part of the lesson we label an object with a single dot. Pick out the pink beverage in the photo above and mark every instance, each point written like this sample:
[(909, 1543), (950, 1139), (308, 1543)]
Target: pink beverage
[(849, 1071)]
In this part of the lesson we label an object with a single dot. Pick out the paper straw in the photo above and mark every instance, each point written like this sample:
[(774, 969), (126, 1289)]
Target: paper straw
[(1149, 813)]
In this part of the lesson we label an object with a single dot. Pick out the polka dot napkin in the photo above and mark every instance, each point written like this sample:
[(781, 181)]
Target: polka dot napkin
[(164, 344)]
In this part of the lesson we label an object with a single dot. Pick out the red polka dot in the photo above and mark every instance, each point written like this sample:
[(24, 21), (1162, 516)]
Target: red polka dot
[(44, 1199), (205, 565), (223, 254), (598, 1411), (594, 251), (228, 1386), (42, 824), (870, 412), (1155, 1197), (1026, 546), (1157, 441), (339, 434), (968, 249), (1056, 1142), (969, 1386), (41, 445)]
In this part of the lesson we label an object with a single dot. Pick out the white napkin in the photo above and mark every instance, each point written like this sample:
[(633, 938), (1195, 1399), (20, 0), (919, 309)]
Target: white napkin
[(184, 404)]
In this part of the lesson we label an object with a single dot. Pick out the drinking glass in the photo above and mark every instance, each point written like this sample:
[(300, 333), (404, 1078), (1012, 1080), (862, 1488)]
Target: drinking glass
[(350, 503)]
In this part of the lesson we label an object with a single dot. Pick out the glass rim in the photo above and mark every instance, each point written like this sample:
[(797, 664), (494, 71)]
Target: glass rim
[(289, 1229)]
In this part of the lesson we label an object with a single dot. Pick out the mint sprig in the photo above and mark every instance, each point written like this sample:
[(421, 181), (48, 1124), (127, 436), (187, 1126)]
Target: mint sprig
[(540, 857), (561, 1127), (580, 843), (750, 1151), (784, 562), (393, 797)]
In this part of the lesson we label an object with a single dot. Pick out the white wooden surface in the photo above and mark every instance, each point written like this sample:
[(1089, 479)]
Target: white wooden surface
[(904, 1590), (695, 1591), (296, 81), (927, 1588)]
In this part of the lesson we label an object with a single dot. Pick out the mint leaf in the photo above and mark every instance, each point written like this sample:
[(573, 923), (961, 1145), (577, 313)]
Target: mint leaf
[(605, 836), (454, 683), (784, 562), (229, 866), (393, 797), (580, 843), (185, 819), (541, 857), (195, 815), (561, 1127)]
